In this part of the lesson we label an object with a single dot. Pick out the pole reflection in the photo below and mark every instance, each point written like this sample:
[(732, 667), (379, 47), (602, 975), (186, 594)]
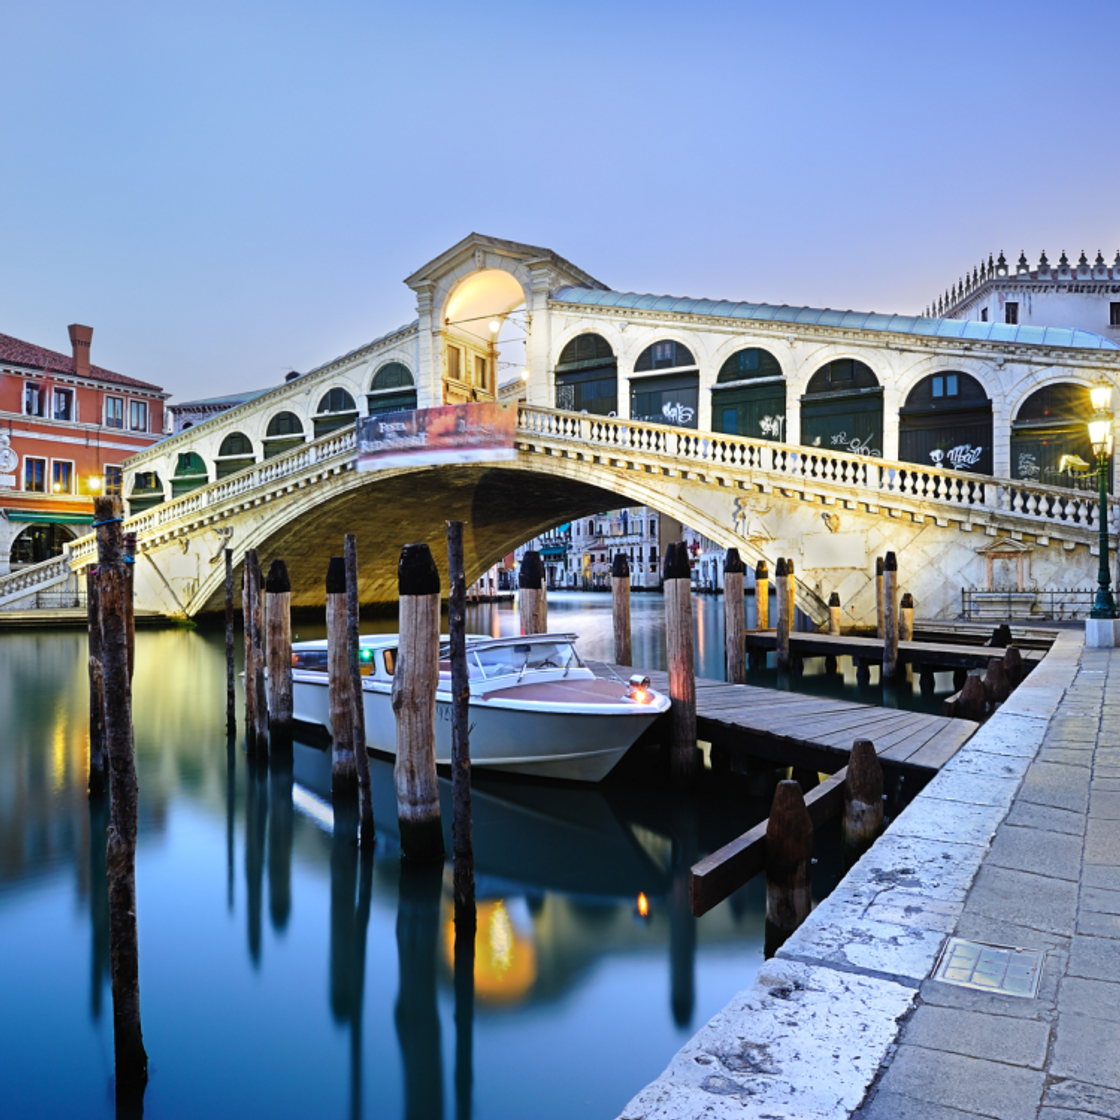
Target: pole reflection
[(280, 839), (256, 822)]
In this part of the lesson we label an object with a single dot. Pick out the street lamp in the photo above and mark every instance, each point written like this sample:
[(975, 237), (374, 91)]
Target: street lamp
[(1100, 435)]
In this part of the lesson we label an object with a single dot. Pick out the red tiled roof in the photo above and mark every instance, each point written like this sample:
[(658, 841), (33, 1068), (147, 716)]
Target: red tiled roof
[(26, 354)]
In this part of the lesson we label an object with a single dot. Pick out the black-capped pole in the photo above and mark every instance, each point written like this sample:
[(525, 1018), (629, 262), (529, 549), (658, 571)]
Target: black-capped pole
[(278, 591), (252, 616), (684, 755), (781, 581), (762, 596), (353, 649), (863, 796), (791, 586), (735, 618), (532, 605), (890, 617), (834, 613), (415, 677), (620, 608), (878, 596), (340, 698), (906, 618)]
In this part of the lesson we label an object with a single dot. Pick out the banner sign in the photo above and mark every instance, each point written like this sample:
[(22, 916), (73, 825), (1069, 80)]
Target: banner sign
[(454, 433)]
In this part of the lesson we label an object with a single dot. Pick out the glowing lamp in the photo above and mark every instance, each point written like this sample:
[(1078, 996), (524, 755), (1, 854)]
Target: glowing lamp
[(58, 487), (93, 484), (524, 375), (641, 908), (1101, 397), (495, 326), (1100, 435)]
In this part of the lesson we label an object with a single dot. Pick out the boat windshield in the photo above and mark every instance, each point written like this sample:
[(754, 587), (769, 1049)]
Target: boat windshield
[(506, 660)]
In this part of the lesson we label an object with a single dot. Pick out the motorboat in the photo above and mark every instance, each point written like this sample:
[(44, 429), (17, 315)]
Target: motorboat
[(535, 706)]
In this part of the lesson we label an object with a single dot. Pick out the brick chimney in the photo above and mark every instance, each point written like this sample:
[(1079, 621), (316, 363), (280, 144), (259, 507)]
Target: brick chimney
[(80, 338)]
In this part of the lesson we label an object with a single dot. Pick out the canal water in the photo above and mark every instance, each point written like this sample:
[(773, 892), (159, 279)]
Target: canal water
[(284, 975)]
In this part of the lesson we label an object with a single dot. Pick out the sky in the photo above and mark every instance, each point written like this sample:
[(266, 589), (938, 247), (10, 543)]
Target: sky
[(227, 191)]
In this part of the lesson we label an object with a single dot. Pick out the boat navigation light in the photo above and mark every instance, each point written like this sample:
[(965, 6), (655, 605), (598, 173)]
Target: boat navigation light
[(642, 907), (639, 689)]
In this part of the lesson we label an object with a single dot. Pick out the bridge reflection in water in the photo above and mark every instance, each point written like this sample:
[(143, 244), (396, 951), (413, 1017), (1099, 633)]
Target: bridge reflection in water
[(283, 973)]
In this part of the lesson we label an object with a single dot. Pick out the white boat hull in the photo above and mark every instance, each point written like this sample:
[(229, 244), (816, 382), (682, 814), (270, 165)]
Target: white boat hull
[(521, 738)]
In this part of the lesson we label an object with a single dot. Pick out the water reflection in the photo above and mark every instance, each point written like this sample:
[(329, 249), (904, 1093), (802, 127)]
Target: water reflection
[(256, 821), (99, 977), (280, 838)]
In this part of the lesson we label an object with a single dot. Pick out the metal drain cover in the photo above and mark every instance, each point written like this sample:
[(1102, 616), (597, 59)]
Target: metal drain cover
[(990, 968)]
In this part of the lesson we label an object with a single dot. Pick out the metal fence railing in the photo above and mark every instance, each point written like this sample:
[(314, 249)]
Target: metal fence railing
[(50, 600), (999, 606)]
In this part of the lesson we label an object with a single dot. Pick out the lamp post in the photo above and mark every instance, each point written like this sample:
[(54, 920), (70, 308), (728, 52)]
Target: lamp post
[(1100, 435)]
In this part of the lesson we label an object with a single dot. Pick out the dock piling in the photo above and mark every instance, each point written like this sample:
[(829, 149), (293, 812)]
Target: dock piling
[(344, 767), (997, 686), (761, 596), (863, 796), (249, 585), (789, 854), (735, 622), (620, 605), (890, 617), (878, 597), (791, 589), (414, 704), (834, 614), (781, 579), (231, 676), (461, 826), (906, 618), (278, 591), (357, 700), (1013, 665), (684, 755), (96, 688), (532, 602)]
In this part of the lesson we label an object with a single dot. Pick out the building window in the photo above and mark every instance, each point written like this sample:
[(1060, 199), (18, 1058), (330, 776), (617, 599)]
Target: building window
[(1011, 312), (64, 404), (945, 386), (1114, 314), (454, 362), (138, 416), (114, 412), (62, 477), (479, 371), (112, 483), (35, 475), (983, 314), (33, 399)]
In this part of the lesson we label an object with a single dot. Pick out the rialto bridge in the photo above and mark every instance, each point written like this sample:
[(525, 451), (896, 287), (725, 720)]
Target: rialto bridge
[(824, 436)]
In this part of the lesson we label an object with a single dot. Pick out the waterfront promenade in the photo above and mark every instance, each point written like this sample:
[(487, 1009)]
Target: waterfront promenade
[(1016, 843)]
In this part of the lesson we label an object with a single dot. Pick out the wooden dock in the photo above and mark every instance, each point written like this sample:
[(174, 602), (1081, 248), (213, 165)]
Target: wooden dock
[(933, 656), (795, 729)]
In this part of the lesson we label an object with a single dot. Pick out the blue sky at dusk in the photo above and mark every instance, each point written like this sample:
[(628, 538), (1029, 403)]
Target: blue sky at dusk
[(226, 191)]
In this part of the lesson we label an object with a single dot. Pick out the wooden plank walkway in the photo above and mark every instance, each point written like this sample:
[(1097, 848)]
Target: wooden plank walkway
[(939, 655), (795, 729)]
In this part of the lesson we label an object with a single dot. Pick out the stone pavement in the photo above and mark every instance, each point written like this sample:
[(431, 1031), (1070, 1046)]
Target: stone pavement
[(1050, 881), (1015, 842)]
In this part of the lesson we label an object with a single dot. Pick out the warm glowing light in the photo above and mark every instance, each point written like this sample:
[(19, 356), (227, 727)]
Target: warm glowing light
[(1101, 396), (643, 905), (640, 695), (505, 962), (495, 326), (94, 484), (1100, 435), (524, 375)]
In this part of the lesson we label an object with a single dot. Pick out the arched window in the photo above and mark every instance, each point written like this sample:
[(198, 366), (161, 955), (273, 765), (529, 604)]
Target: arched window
[(587, 376), (236, 444), (947, 422), (842, 409), (1050, 438), (37, 543), (336, 410), (190, 474), (284, 433), (391, 390), (749, 398), (673, 399)]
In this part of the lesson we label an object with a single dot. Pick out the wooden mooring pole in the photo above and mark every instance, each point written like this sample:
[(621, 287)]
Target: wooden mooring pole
[(735, 619), (620, 604), (357, 698), (120, 861), (231, 676), (781, 641), (128, 544), (863, 796), (414, 703), (344, 767), (906, 618), (834, 614), (252, 616), (532, 603), (278, 590), (96, 688), (789, 855), (462, 840), (791, 590), (761, 596), (890, 617), (684, 755), (878, 596)]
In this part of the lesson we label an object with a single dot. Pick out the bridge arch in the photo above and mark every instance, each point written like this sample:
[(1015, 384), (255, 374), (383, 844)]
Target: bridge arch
[(946, 421), (585, 375), (336, 409), (749, 395)]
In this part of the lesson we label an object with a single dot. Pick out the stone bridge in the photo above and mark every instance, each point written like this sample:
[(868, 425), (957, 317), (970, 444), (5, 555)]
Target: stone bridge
[(831, 512)]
